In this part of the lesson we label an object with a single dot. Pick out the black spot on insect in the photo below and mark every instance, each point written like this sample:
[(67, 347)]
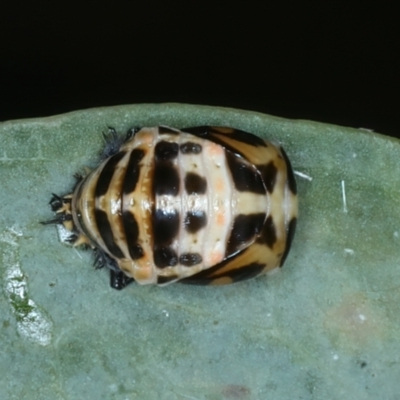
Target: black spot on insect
[(195, 220), (166, 179), (245, 228), (190, 259), (166, 150), (165, 257), (245, 177), (195, 184), (165, 227), (190, 148)]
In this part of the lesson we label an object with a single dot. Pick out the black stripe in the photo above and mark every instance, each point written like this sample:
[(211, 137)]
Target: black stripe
[(269, 173), (246, 177), (132, 171), (131, 229), (208, 132), (165, 279), (165, 227), (241, 136), (165, 257), (104, 228), (289, 238), (166, 151), (78, 213), (268, 235), (195, 184), (290, 174), (190, 148), (244, 272), (245, 228), (194, 221), (82, 226), (165, 179), (207, 276), (165, 129), (107, 173), (205, 132), (190, 259)]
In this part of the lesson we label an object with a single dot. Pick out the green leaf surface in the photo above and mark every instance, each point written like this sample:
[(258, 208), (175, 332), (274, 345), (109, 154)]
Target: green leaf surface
[(324, 326)]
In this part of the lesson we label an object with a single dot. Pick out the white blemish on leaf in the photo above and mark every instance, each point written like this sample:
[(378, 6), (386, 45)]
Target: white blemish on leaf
[(349, 251), (302, 175), (344, 197), (63, 234), (78, 253), (32, 323)]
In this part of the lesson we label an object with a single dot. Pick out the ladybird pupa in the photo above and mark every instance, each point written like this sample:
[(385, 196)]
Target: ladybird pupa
[(200, 205)]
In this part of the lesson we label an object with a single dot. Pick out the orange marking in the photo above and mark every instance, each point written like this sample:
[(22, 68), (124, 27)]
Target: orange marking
[(81, 239), (223, 129), (215, 257), (143, 274), (68, 225), (144, 269), (145, 137), (214, 149), (219, 185), (220, 218)]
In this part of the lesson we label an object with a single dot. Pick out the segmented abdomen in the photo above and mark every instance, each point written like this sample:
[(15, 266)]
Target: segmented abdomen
[(207, 206)]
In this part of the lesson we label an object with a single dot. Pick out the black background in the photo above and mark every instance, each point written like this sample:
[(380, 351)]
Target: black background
[(328, 63)]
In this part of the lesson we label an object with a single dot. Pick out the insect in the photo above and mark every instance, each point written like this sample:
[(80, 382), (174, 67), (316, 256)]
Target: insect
[(201, 205)]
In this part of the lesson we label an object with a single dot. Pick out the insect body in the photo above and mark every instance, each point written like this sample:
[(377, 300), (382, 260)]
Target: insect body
[(203, 205)]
